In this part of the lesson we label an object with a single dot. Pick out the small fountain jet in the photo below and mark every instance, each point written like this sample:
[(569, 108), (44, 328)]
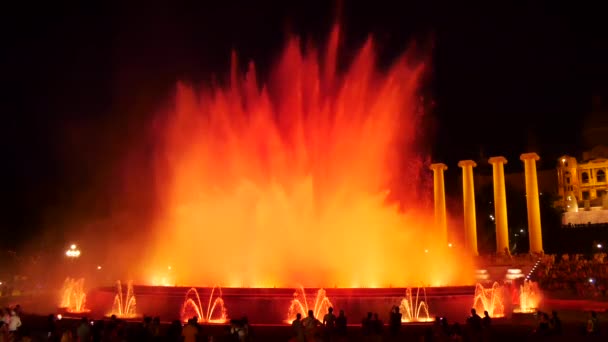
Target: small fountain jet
[(124, 305), (490, 300), (216, 310), (299, 304), (73, 296), (412, 307)]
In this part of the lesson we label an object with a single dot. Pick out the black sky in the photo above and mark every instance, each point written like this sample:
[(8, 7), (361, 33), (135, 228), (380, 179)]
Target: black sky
[(80, 81)]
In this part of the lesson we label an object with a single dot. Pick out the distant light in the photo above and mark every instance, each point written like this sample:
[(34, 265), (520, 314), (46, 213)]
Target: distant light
[(521, 230), (541, 193), (0, 283), (450, 245), (492, 217), (73, 246), (599, 245), (591, 280), (426, 251), (169, 268), (98, 267), (72, 253), (563, 160), (59, 317)]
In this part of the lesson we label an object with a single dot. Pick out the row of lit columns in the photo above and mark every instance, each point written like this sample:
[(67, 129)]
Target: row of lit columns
[(500, 203)]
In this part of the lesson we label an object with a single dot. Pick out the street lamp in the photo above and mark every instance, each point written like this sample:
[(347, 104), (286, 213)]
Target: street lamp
[(73, 252)]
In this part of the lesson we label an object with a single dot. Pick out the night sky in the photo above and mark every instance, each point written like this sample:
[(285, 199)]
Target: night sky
[(81, 82)]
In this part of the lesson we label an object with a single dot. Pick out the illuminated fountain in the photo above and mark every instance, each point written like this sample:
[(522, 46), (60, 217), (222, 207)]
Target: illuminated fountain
[(414, 309), (490, 300), (313, 152), (124, 305), (73, 296), (262, 179), (299, 305), (529, 297), (192, 307)]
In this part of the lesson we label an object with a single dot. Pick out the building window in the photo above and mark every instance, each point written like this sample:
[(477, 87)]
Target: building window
[(600, 176), (585, 195), (585, 177)]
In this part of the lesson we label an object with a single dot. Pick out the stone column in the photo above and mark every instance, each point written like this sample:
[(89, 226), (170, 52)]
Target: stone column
[(532, 199), (468, 194), (439, 195), (500, 203)]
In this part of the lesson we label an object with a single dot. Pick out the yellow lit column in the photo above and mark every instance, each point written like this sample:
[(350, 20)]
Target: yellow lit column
[(439, 194), (534, 229), (500, 203), (468, 194)]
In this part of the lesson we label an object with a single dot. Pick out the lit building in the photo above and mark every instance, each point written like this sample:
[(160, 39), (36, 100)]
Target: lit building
[(582, 187)]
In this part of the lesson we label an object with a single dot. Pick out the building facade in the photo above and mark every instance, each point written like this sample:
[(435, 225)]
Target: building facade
[(582, 187)]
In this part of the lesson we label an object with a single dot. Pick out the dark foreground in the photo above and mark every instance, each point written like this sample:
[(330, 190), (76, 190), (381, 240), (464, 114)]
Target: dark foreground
[(517, 328)]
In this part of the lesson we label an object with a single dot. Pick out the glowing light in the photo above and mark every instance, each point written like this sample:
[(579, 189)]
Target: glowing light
[(450, 245), (521, 230), (169, 268), (270, 172), (59, 317), (72, 253), (563, 160), (72, 246), (514, 273), (98, 267), (599, 245), (426, 251)]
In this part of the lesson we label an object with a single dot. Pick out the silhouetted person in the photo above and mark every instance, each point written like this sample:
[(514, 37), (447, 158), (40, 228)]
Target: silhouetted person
[(543, 324), (298, 328), (555, 323), (190, 331), (486, 321), (52, 333), (238, 329), (395, 321), (593, 325), (438, 328), (474, 321), (456, 333), (341, 322), (174, 333), (366, 324), (84, 330), (329, 323), (97, 331), (377, 326), (311, 325)]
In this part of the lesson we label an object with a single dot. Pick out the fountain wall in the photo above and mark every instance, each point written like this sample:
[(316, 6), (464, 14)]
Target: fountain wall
[(271, 305)]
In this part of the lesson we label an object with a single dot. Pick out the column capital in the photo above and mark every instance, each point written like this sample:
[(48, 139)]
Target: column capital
[(497, 160), (438, 166), (465, 163), (529, 156)]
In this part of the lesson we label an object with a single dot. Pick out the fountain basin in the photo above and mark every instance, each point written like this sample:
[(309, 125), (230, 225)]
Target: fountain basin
[(271, 305)]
